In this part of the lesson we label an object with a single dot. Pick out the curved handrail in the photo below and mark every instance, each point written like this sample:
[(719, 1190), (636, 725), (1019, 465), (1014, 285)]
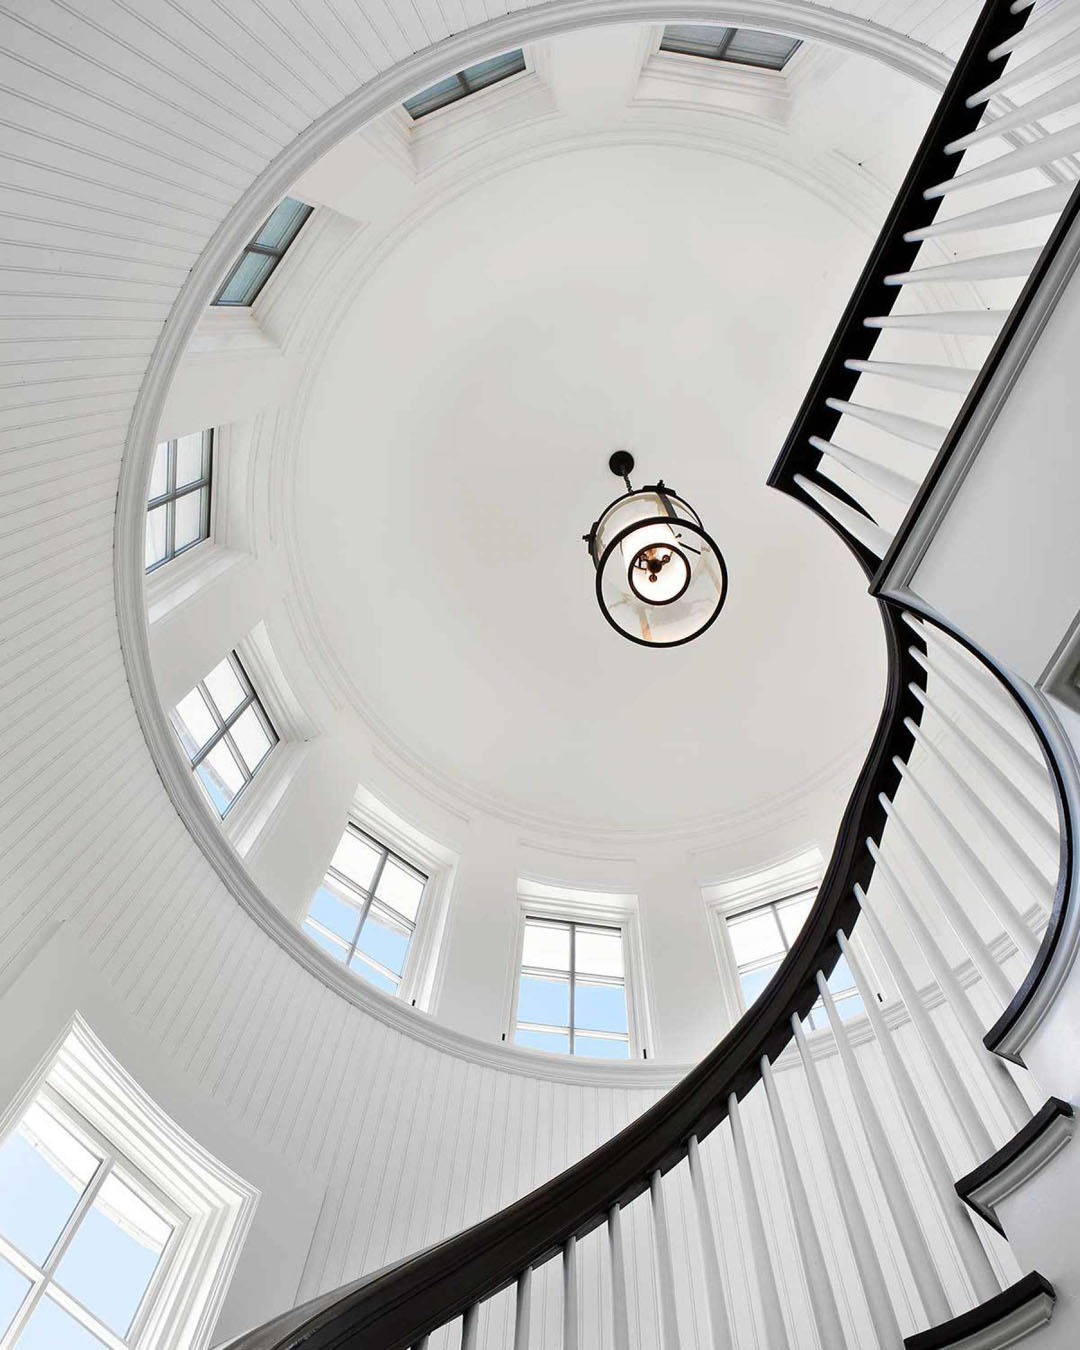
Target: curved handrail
[(395, 1308)]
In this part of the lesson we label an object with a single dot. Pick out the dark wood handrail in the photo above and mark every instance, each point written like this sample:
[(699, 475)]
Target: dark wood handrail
[(394, 1308)]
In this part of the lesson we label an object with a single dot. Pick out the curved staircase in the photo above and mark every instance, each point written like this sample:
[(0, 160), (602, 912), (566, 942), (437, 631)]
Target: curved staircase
[(853, 1183)]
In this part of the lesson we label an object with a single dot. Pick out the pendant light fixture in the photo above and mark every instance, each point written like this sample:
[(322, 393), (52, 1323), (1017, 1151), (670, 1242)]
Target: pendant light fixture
[(660, 579)]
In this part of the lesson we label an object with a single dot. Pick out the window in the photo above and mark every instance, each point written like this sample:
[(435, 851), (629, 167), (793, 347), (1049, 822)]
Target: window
[(364, 913), (742, 46), (85, 1238), (464, 83), (571, 997), (762, 937), (178, 502), (252, 269), (225, 731)]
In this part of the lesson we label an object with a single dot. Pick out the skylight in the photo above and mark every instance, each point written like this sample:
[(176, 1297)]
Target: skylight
[(252, 269), (741, 46), (465, 82)]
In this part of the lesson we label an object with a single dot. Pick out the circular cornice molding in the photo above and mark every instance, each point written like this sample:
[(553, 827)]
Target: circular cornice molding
[(797, 17)]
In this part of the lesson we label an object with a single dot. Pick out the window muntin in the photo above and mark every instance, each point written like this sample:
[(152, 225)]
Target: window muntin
[(741, 46), (178, 500), (225, 731), (571, 997), (465, 82), (252, 269), (84, 1236), (760, 939), (364, 913)]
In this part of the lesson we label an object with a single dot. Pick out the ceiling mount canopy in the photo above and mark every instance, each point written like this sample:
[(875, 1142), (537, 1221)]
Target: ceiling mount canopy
[(660, 578)]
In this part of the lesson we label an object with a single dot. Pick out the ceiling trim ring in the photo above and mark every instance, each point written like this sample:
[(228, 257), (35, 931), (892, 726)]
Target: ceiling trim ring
[(798, 17)]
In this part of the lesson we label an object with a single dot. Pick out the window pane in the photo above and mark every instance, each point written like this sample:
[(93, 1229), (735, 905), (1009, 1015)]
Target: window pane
[(851, 1006), (221, 776), (284, 221), (50, 1328), (13, 1289), (247, 277), (434, 96), (224, 687), (598, 952), (360, 967), (189, 458), (495, 68), (250, 738), (333, 913), (546, 945), (194, 722), (754, 981), (599, 1007), (755, 936), (793, 914), (597, 1047), (113, 1254), (400, 889), (384, 939), (188, 528), (43, 1171), (694, 39), (753, 48), (356, 859), (157, 527), (841, 979), (544, 1001), (159, 474), (554, 1042), (336, 949)]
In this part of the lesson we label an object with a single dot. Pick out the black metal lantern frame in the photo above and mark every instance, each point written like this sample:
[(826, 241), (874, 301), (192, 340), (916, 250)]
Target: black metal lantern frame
[(658, 538)]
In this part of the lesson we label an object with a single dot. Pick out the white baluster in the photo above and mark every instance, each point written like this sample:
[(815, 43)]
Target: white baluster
[(967, 1113), (964, 665), (523, 1310), (469, 1335), (913, 429), (970, 322), (776, 1337), (1021, 761), (1032, 156), (858, 526), (953, 379), (1063, 96), (822, 1299), (1010, 1096), (719, 1320), (987, 267), (1015, 75), (897, 485), (882, 1314), (912, 1239), (957, 1215), (665, 1266), (620, 1325), (570, 1295), (954, 913), (1032, 817), (1037, 882), (988, 885), (1061, 20), (1029, 206)]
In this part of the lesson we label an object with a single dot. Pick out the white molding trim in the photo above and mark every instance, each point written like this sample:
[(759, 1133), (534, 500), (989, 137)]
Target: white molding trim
[(1008, 1330), (798, 17)]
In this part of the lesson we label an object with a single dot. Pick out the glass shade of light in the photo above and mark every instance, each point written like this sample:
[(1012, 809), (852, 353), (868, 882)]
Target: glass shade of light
[(660, 578)]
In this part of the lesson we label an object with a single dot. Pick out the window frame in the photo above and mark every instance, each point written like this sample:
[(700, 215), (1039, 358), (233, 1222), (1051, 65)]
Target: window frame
[(368, 897), (264, 250), (728, 35), (42, 1278), (223, 729), (602, 917), (817, 1018), (465, 88), (172, 495)]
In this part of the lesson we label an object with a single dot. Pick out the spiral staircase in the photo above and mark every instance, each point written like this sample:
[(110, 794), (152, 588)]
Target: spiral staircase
[(956, 854)]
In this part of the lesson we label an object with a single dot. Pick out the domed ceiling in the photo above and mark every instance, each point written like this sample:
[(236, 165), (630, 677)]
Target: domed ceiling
[(668, 300)]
